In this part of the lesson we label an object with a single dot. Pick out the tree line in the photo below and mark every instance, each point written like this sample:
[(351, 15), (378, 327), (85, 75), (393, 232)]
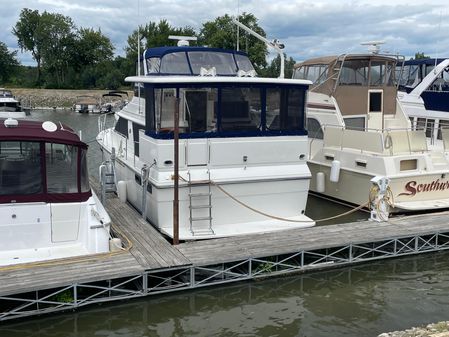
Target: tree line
[(70, 57)]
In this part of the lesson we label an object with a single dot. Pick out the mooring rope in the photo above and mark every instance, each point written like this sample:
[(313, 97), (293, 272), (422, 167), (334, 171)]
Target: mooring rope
[(274, 216)]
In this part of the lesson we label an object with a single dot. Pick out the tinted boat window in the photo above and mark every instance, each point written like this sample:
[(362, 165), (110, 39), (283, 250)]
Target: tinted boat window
[(61, 162), (122, 126), (85, 187), (240, 109), (314, 128), (20, 168), (285, 109)]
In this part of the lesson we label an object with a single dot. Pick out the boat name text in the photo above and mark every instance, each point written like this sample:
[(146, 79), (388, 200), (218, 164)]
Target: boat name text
[(412, 187)]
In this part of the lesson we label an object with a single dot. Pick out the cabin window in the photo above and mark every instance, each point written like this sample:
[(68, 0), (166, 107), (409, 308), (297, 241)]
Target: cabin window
[(354, 72), (377, 73), (153, 65), (199, 108), (408, 164), (122, 126), (355, 123), (84, 175), (315, 73), (20, 168), (300, 73), (61, 162), (233, 110), (223, 63), (421, 124), (430, 123), (136, 128), (443, 125), (240, 109), (175, 63), (243, 62), (314, 128), (139, 90), (285, 109)]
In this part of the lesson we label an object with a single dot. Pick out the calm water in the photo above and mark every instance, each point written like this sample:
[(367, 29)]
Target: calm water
[(361, 301)]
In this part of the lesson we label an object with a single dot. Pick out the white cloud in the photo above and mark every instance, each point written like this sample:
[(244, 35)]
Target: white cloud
[(307, 28)]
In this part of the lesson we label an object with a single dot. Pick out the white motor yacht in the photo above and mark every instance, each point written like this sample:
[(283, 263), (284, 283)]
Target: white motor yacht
[(358, 130), (242, 145), (9, 105), (47, 208), (424, 96)]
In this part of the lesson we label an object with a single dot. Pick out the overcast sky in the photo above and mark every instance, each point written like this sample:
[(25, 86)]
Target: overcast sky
[(307, 28)]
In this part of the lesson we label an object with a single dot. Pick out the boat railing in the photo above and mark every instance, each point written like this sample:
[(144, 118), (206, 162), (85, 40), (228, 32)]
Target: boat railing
[(380, 141), (445, 138)]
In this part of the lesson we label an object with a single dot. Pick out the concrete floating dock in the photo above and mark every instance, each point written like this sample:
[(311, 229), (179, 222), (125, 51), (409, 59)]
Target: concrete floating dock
[(152, 265)]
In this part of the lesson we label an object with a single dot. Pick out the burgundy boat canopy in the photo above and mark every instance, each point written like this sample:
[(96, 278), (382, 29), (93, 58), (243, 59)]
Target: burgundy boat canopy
[(40, 164)]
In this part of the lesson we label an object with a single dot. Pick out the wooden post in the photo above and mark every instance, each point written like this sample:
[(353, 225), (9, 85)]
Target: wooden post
[(176, 175)]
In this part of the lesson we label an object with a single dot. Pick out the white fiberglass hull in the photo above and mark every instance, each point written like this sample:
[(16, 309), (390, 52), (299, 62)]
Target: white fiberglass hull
[(37, 232), (410, 192), (282, 196)]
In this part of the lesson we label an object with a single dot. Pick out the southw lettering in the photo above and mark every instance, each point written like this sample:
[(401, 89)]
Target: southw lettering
[(412, 187)]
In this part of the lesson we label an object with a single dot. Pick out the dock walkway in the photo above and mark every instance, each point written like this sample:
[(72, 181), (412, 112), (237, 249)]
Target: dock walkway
[(152, 265)]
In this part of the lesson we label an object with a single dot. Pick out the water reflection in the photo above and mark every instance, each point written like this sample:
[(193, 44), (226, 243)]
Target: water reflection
[(361, 301)]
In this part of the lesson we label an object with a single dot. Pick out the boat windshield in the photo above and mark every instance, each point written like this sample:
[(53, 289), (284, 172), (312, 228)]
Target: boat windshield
[(191, 62), (5, 93), (47, 171), (226, 109)]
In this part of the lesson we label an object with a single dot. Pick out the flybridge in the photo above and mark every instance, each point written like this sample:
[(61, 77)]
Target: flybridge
[(192, 61)]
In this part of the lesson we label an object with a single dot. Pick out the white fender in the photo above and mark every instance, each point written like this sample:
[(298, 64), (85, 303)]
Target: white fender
[(335, 171), (320, 182), (121, 190)]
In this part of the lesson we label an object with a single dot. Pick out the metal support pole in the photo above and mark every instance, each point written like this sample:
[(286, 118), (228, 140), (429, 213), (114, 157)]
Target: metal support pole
[(176, 175)]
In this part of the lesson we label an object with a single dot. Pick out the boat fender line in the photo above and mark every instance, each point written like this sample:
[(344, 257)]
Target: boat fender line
[(355, 209)]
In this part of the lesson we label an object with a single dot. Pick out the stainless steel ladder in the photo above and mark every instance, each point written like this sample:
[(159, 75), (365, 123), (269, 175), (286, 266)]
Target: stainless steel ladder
[(107, 179), (197, 204)]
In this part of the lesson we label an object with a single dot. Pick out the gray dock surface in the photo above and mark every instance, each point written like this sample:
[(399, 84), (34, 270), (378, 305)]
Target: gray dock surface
[(277, 243)]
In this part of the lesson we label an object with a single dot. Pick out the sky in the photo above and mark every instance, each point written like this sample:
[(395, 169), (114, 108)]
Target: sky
[(307, 28)]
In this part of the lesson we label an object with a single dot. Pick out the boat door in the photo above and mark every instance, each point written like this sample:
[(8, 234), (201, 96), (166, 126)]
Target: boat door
[(65, 218), (197, 149), (375, 109)]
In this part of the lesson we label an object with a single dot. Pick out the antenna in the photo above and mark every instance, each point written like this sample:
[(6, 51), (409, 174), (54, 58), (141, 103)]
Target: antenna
[(373, 46), (238, 28), (275, 44)]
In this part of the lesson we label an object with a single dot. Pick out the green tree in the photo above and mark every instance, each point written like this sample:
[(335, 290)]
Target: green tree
[(156, 35), (29, 36), (59, 31), (420, 55), (274, 68), (222, 33), (8, 62), (91, 47)]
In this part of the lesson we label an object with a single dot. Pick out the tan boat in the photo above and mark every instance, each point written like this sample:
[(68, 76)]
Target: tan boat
[(358, 130)]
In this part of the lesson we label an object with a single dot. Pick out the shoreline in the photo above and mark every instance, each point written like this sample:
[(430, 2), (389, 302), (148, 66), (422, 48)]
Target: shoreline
[(57, 99)]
